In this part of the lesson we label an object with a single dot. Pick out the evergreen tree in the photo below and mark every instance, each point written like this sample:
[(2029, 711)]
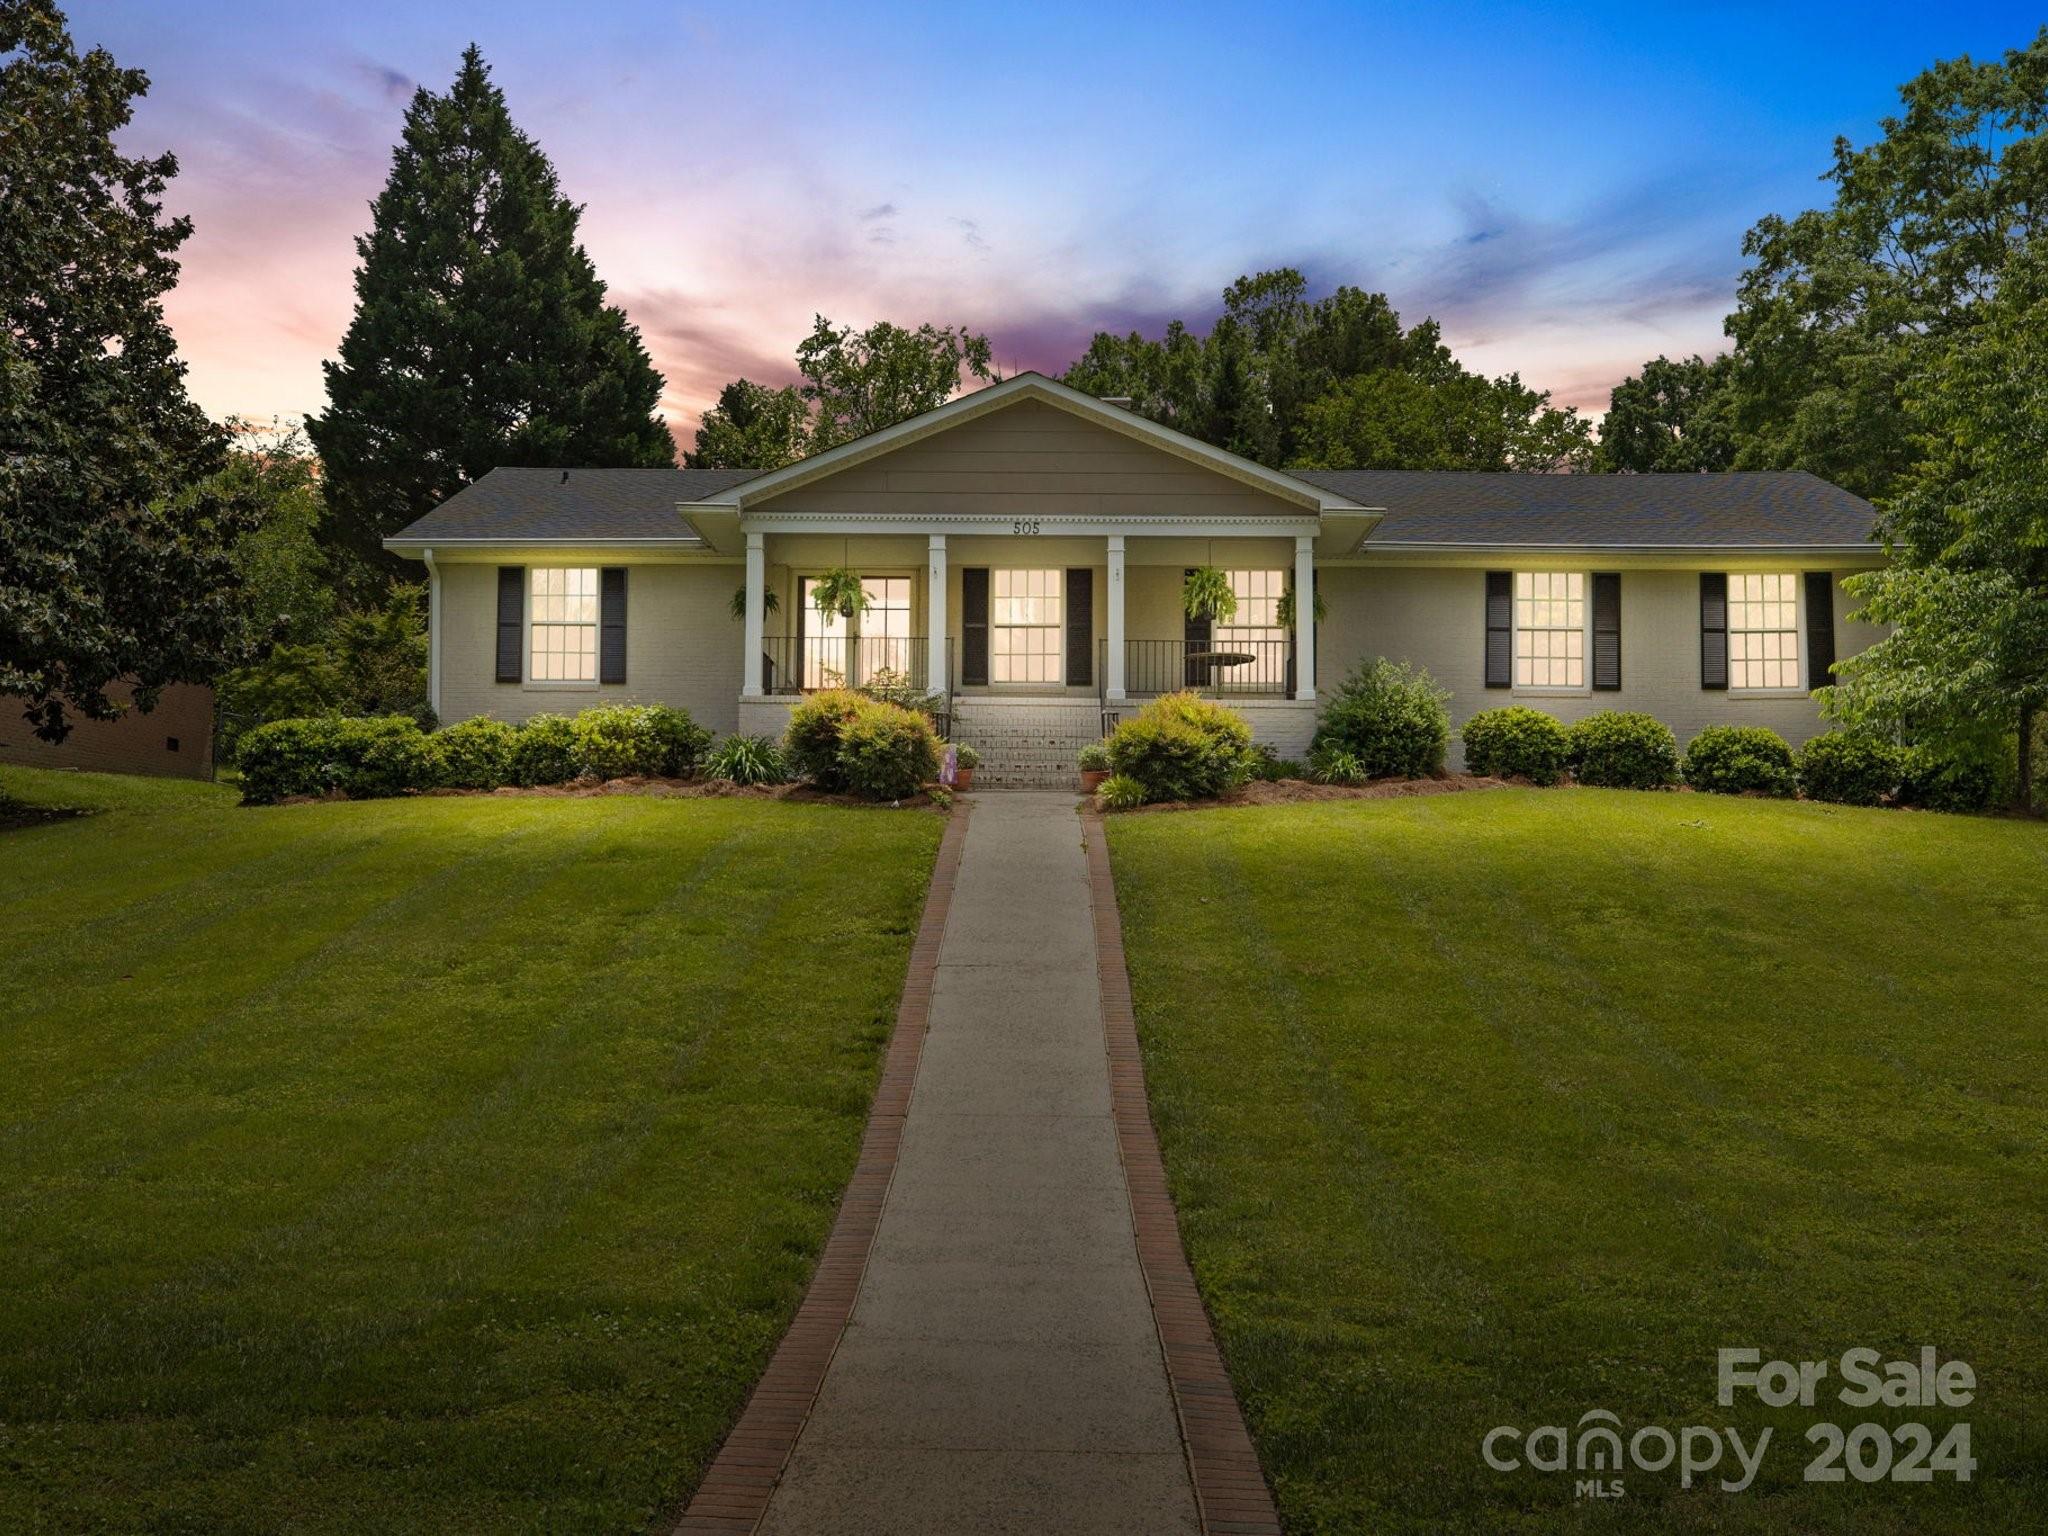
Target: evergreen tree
[(115, 561), (481, 335)]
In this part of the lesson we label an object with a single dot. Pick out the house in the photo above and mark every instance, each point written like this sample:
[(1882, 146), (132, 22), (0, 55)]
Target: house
[(174, 740), (1023, 550)]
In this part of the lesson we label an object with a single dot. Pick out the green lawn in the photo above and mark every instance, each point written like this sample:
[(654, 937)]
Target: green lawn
[(428, 1165), (1494, 1109)]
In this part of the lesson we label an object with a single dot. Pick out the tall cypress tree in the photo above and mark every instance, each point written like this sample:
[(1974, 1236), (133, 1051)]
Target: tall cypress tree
[(481, 335)]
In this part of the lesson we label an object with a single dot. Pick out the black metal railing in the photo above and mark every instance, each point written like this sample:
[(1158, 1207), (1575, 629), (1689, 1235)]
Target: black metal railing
[(878, 663), (1223, 666)]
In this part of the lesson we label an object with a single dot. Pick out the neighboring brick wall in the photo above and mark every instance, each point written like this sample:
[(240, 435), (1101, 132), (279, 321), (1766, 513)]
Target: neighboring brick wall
[(135, 743), (1434, 617)]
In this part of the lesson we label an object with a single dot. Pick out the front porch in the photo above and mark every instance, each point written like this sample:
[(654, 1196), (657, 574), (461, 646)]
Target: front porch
[(1058, 618)]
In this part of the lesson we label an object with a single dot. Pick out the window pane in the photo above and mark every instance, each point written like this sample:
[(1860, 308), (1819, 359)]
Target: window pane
[(1550, 626), (1027, 611), (562, 614), (1254, 631), (1763, 630)]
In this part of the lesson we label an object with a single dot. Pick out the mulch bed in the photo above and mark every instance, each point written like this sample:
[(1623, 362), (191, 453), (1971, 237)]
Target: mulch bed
[(1296, 791), (657, 788)]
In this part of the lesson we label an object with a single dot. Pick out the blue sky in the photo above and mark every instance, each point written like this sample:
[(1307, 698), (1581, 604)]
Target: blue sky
[(1565, 187)]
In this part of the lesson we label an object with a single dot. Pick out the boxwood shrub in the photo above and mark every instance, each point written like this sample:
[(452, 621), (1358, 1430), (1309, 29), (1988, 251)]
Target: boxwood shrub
[(1517, 740), (1740, 759), (475, 753), (1849, 768), (544, 752), (1182, 746), (366, 757), (1388, 719), (1619, 749), (887, 752), (617, 741)]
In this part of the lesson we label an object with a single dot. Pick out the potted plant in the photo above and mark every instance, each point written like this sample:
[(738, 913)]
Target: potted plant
[(1206, 594), (1284, 614), (965, 760), (839, 591), (770, 603), (1094, 761)]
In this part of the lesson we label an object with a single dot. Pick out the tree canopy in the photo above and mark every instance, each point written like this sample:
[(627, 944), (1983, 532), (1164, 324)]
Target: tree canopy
[(1330, 383), (115, 555), (854, 382), (481, 334)]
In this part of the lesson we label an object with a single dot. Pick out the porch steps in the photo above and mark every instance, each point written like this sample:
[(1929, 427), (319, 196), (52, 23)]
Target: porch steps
[(1026, 743)]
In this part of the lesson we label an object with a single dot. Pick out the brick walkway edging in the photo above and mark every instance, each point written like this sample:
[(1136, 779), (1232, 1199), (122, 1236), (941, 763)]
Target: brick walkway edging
[(1230, 1489), (741, 1479)]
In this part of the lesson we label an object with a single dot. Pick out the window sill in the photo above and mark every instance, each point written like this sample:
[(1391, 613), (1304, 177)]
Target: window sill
[(550, 687), (1768, 693), (1521, 692)]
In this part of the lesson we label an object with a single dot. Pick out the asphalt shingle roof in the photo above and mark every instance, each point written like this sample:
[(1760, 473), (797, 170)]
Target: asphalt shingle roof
[(1744, 509), (1759, 509), (515, 504)]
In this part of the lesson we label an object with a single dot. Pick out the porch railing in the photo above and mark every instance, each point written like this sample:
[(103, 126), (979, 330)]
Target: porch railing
[(1218, 666), (806, 663)]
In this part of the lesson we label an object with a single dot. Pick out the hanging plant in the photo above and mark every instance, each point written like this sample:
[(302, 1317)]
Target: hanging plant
[(839, 591), (1284, 615), (770, 603), (1206, 594)]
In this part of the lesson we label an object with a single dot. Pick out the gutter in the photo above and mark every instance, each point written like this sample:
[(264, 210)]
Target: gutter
[(433, 633)]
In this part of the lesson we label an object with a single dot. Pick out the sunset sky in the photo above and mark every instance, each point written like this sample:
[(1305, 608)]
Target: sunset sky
[(1565, 187)]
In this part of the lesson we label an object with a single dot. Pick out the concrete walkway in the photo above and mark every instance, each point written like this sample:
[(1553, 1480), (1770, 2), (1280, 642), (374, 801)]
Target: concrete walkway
[(1002, 1369)]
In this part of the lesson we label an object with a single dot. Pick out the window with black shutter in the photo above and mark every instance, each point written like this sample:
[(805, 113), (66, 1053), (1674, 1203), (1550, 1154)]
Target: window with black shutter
[(1820, 629), (1080, 627), (1606, 630), (511, 621), (611, 625), (1500, 629), (1713, 629), (974, 626)]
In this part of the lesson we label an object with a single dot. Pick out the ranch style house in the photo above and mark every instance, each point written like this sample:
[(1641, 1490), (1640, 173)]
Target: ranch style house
[(1023, 550)]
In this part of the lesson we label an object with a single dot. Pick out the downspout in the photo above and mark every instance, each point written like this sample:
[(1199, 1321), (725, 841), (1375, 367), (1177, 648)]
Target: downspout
[(433, 633)]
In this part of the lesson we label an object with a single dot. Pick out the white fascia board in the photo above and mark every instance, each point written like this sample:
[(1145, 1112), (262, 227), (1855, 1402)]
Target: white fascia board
[(1161, 525)]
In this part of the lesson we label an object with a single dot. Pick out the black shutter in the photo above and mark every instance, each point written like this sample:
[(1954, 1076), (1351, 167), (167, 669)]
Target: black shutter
[(1196, 633), (1820, 628), (974, 626), (1080, 627), (611, 624), (1500, 629), (1607, 630), (511, 620), (1713, 629)]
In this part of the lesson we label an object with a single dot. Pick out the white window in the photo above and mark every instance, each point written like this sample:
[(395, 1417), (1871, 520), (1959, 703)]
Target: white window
[(562, 625), (884, 644), (1550, 629), (1763, 631), (1025, 622), (1254, 631)]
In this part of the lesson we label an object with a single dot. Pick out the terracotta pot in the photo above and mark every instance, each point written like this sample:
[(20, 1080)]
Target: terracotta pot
[(963, 778), (1091, 779)]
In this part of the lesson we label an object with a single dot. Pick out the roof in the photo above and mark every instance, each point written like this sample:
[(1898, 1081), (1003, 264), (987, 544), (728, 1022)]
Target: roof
[(1425, 509), (512, 506), (1758, 509)]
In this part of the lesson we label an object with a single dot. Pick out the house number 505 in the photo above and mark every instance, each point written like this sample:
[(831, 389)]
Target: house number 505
[(1025, 527)]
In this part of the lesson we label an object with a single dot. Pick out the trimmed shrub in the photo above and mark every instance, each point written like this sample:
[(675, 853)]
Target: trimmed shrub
[(1740, 759), (1517, 740), (1182, 746), (812, 740), (1850, 768), (616, 741), (683, 741), (747, 760), (365, 757), (476, 753), (1617, 749), (1120, 792), (544, 751), (1390, 720), (1958, 778), (887, 752)]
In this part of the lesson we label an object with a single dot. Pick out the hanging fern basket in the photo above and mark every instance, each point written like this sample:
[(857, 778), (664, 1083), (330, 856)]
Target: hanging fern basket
[(839, 591), (1206, 594)]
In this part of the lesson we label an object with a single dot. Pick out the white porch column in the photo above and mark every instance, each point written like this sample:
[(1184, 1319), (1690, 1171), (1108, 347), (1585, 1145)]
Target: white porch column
[(1305, 617), (757, 583), (1113, 669), (935, 676)]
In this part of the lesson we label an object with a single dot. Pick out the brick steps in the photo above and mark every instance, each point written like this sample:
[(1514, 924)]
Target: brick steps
[(1026, 744)]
